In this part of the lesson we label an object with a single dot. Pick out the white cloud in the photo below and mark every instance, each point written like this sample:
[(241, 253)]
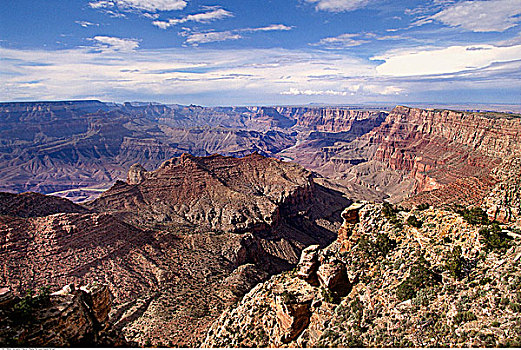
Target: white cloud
[(196, 38), (101, 4), (482, 16), (86, 24), (355, 39), (219, 76), (162, 24), (273, 27), (210, 37), (351, 89), (116, 44), (204, 17), (445, 60), (169, 73), (343, 40), (296, 92), (142, 5), (338, 5)]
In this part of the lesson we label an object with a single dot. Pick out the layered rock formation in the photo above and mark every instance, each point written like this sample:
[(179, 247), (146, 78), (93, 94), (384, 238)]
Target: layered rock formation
[(220, 193), (334, 120), (417, 151), (176, 245), (32, 204), (439, 147), (76, 148), (179, 244), (58, 147)]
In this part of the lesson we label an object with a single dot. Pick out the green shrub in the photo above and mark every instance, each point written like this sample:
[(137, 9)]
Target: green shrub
[(464, 316), (389, 211), (484, 281), (384, 244), (328, 296), (420, 277), (474, 216), (515, 307), (493, 238), (414, 222), (423, 206), (289, 297), (455, 263), (23, 310)]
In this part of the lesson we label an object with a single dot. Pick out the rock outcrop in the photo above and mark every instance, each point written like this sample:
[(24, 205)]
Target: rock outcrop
[(503, 202), (215, 192), (439, 147), (32, 204), (334, 120), (441, 283), (70, 317)]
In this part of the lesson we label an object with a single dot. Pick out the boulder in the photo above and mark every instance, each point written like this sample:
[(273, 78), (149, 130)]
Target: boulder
[(333, 276), (99, 299), (292, 318), (308, 264), (6, 297), (136, 174)]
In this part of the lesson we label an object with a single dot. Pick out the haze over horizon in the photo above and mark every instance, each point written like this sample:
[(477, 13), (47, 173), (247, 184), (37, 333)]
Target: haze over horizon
[(264, 52)]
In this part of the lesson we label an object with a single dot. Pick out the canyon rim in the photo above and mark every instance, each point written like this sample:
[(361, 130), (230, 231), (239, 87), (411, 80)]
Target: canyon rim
[(297, 173)]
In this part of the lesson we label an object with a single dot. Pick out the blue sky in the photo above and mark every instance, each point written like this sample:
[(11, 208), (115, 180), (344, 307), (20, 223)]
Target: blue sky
[(239, 52)]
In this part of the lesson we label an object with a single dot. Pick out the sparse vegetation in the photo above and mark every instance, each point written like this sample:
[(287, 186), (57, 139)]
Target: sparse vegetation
[(474, 216), (414, 221), (494, 238), (23, 310), (328, 295), (464, 316), (389, 211), (423, 206), (420, 277), (382, 246), (289, 297), (455, 262)]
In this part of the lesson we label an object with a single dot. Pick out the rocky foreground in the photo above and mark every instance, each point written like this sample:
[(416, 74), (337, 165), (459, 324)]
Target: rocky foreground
[(394, 278), (68, 317)]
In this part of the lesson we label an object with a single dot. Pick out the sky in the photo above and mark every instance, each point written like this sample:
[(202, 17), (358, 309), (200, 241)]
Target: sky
[(261, 52)]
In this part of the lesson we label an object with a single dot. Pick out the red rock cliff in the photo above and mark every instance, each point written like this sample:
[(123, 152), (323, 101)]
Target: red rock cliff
[(439, 147)]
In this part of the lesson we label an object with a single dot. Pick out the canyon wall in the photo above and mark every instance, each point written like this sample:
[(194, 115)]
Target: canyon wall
[(447, 148)]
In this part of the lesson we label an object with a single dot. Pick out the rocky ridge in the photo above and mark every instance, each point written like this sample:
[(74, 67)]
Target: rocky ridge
[(77, 148), (389, 281)]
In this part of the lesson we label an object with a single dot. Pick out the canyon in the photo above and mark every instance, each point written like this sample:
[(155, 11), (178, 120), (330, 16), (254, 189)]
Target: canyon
[(181, 211), (175, 246)]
